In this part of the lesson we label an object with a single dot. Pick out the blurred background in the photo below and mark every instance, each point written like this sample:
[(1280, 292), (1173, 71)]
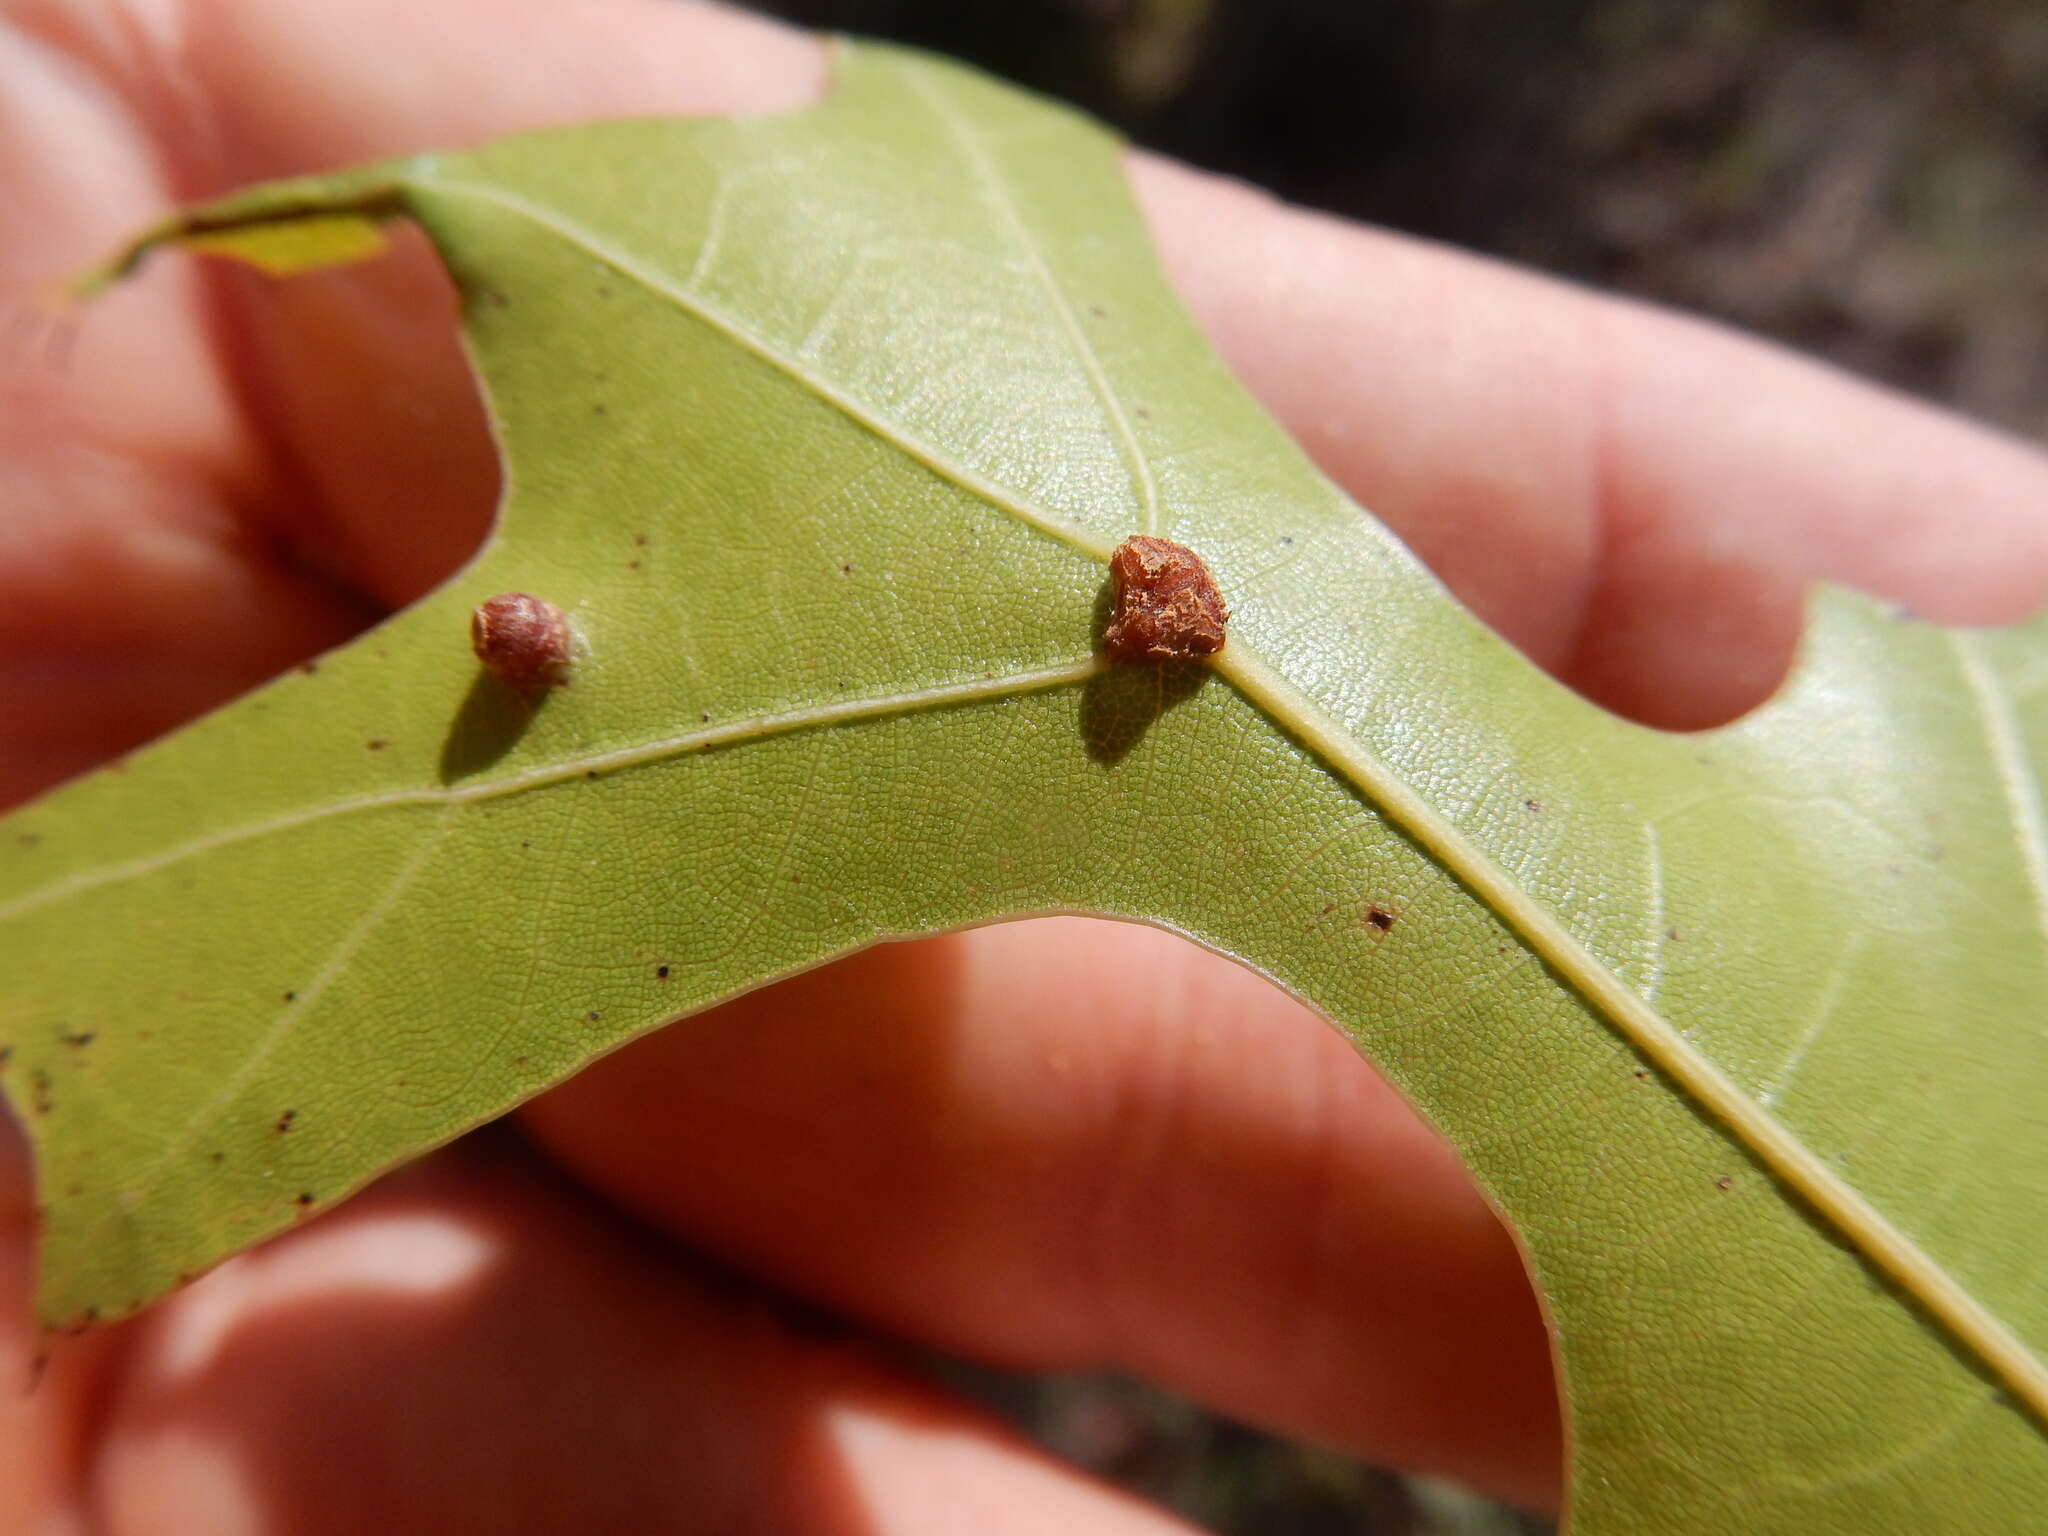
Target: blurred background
[(1863, 179)]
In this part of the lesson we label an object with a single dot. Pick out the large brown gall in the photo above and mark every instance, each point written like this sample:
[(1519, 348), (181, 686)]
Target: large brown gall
[(1167, 608)]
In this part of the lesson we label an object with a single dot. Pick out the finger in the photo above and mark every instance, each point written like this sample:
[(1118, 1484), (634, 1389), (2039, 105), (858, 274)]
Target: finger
[(1637, 499), (467, 1349), (1070, 1143)]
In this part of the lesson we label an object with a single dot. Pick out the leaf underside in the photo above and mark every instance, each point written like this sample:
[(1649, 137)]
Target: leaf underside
[(821, 428)]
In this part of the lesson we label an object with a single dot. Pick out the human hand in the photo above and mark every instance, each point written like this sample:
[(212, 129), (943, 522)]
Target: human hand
[(992, 1143)]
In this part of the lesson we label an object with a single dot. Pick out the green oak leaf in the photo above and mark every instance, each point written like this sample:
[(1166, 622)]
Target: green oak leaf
[(821, 428)]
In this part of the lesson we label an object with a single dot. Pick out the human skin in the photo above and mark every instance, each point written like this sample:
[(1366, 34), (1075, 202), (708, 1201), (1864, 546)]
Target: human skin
[(993, 1143)]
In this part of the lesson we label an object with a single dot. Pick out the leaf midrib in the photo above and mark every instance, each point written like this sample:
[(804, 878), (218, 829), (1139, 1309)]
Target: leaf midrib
[(593, 765)]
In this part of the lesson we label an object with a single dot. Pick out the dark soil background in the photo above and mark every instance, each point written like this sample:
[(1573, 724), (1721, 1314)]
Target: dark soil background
[(1863, 179)]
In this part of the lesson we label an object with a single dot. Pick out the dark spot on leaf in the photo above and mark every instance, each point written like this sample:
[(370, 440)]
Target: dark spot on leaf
[(291, 997), (27, 839), (640, 541), (1379, 917), (705, 718), (39, 1092), (1724, 1182), (661, 973), (590, 773), (1097, 311), (526, 845), (284, 1121), (1534, 805), (74, 1190), (216, 1158), (1327, 910), (80, 1040), (632, 565), (376, 743), (495, 299), (1641, 1076), (1671, 934), (308, 668), (593, 1015), (1142, 413), (846, 569), (303, 1202), (604, 290), (1286, 538), (599, 409)]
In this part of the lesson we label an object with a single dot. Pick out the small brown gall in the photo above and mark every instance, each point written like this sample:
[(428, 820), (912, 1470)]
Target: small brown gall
[(522, 641), (1167, 607)]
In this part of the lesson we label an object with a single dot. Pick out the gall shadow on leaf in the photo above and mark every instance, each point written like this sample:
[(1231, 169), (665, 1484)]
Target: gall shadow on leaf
[(1119, 706), (492, 719)]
